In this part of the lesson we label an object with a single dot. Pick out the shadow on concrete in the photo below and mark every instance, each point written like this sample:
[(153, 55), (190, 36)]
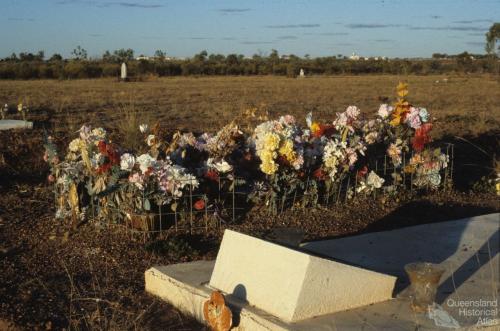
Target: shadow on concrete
[(239, 296), (481, 257), (388, 251)]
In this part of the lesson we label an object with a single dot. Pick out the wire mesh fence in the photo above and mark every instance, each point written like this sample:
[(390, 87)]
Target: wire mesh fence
[(228, 199)]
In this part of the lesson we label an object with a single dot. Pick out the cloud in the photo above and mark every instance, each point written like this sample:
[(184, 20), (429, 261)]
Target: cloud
[(372, 26), (326, 33), (233, 10), (293, 26), (475, 43), (257, 42), (21, 19), (135, 5), (473, 21), (287, 37), (477, 34), (105, 4), (198, 38), (448, 28)]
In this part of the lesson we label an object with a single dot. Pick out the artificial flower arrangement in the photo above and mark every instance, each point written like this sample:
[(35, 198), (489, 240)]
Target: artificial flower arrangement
[(278, 164)]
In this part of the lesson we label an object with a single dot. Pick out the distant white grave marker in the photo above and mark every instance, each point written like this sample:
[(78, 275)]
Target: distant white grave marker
[(123, 74), (302, 74)]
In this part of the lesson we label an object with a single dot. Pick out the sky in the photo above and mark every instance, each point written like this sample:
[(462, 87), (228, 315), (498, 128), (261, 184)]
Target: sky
[(392, 28)]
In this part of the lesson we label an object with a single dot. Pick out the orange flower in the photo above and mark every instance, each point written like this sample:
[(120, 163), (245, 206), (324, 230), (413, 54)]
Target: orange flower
[(319, 174), (199, 205), (401, 109)]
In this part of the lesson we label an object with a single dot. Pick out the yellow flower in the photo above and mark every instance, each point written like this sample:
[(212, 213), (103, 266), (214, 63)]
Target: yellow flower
[(402, 89), (497, 186), (401, 108), (267, 155), (271, 141), (269, 168), (409, 168), (287, 151), (20, 107), (331, 162), (315, 127)]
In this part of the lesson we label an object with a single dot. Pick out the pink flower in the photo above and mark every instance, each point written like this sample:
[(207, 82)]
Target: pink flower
[(288, 119), (46, 156), (413, 118), (51, 178)]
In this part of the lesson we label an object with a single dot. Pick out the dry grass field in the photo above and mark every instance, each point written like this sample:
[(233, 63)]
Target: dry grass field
[(462, 105), (92, 278)]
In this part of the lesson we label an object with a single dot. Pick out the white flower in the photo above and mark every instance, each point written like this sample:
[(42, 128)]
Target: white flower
[(374, 180), (221, 166), (85, 132), (361, 187), (371, 137), (143, 128), (145, 161), (98, 134), (127, 161), (384, 110), (150, 140), (74, 145), (96, 160), (352, 112)]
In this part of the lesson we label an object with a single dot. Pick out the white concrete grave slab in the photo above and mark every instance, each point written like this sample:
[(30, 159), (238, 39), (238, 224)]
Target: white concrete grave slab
[(291, 284), (15, 124), (467, 249)]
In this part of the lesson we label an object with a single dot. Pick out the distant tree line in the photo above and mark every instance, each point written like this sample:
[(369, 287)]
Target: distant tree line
[(36, 66)]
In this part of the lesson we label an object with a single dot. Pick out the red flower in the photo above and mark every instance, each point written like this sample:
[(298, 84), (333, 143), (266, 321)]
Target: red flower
[(102, 147), (112, 154), (212, 175), (103, 168), (199, 205), (362, 172), (319, 174), (324, 130), (421, 137)]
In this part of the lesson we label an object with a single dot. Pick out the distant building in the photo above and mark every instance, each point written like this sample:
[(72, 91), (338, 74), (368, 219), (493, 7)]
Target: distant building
[(153, 58), (354, 57)]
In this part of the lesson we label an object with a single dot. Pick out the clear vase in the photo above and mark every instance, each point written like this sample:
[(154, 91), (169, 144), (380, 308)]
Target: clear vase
[(424, 278)]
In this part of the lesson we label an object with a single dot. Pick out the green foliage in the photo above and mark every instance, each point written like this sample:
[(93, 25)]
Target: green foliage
[(32, 66), (491, 37)]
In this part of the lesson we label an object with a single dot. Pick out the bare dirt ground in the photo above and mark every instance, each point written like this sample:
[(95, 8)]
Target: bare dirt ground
[(92, 278)]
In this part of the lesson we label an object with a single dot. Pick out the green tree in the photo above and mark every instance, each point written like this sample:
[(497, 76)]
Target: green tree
[(79, 53), (491, 38), (123, 55), (161, 55), (55, 57)]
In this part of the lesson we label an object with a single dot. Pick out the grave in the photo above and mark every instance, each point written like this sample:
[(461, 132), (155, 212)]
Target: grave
[(263, 294), (15, 124), (123, 72)]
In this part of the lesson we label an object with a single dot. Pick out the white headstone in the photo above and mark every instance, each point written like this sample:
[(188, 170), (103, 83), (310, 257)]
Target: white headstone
[(123, 74), (302, 74)]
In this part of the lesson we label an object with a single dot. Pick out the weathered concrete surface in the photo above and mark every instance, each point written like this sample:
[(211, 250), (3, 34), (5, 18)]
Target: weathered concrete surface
[(472, 245), (467, 249), (15, 124), (291, 284)]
